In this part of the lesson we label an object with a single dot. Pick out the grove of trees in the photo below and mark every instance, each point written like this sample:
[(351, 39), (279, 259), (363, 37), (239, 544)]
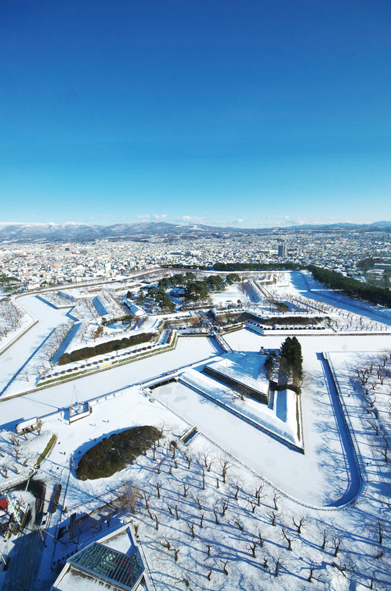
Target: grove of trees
[(352, 287), (292, 359), (114, 453)]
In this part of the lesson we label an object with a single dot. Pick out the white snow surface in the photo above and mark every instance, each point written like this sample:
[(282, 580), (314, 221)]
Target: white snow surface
[(247, 369), (318, 486)]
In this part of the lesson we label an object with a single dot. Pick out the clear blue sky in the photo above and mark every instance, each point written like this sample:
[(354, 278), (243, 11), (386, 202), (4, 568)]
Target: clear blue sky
[(250, 112)]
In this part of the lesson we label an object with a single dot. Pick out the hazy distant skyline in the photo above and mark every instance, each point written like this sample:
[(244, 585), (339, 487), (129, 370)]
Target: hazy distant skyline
[(248, 114)]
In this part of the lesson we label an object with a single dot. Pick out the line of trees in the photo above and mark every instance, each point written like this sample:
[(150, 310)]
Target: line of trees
[(352, 287), (256, 267), (102, 348)]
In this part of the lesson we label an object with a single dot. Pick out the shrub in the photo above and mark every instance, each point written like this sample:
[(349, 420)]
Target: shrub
[(47, 450)]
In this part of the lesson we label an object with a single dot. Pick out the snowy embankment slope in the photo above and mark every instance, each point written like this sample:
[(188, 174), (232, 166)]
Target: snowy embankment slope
[(26, 322), (189, 350), (279, 419), (16, 358)]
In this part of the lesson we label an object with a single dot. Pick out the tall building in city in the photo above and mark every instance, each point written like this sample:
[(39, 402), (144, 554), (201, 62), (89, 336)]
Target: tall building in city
[(282, 249)]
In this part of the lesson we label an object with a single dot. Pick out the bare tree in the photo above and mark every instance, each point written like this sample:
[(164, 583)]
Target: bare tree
[(205, 458), (258, 493), (276, 498), (239, 524), (299, 525), (224, 507), (277, 567), (215, 514), (374, 426), (225, 465), (145, 498), (325, 534), (198, 501), (14, 440), (272, 516), (313, 567), (191, 528), (288, 539), (189, 460), (337, 545), (261, 540), (224, 563), (380, 529)]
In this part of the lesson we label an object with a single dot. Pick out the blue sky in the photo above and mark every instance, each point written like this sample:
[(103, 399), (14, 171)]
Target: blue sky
[(249, 113)]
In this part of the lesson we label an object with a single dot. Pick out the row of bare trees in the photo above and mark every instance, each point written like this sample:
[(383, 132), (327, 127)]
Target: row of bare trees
[(190, 500), (10, 317)]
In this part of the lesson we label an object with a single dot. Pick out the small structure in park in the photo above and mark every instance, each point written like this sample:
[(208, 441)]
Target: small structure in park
[(78, 410), (27, 426)]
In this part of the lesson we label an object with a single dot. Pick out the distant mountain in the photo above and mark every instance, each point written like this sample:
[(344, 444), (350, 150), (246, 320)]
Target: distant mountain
[(74, 232), (84, 232), (382, 224), (341, 226)]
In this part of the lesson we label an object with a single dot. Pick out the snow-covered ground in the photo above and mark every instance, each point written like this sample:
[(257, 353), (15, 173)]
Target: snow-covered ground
[(246, 523), (339, 487), (278, 417), (28, 350), (14, 321), (230, 296)]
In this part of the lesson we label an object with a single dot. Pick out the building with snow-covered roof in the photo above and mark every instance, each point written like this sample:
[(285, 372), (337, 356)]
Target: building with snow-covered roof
[(134, 309), (113, 563)]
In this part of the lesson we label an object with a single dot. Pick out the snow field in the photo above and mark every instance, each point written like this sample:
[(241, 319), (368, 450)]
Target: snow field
[(319, 485), (14, 320), (183, 490), (279, 417), (19, 455)]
